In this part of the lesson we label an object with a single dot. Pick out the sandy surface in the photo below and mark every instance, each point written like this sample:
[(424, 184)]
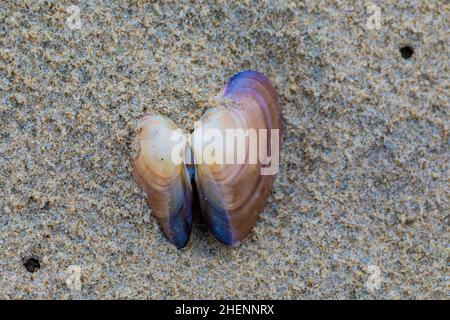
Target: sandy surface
[(362, 195)]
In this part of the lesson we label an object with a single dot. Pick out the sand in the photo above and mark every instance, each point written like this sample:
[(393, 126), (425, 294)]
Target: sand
[(359, 208)]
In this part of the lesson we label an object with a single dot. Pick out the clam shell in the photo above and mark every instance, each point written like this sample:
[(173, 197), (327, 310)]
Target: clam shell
[(233, 195), (166, 183)]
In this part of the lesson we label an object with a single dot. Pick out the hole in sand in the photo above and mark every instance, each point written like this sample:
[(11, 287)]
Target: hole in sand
[(406, 52), (32, 264)]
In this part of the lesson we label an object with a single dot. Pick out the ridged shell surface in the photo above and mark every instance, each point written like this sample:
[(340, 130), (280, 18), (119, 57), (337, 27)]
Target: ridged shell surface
[(233, 195), (166, 182)]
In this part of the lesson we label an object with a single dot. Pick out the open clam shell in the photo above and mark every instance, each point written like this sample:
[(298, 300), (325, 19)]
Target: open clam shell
[(165, 181), (232, 191), (232, 195)]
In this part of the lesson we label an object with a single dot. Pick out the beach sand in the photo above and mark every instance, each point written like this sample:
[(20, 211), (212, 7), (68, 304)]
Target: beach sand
[(359, 207)]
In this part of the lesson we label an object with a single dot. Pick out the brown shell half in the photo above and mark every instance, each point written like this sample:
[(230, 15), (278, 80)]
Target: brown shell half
[(233, 195), (166, 182)]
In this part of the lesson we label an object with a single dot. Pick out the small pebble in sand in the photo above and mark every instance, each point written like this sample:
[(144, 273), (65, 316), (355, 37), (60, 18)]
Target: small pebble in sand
[(73, 280)]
